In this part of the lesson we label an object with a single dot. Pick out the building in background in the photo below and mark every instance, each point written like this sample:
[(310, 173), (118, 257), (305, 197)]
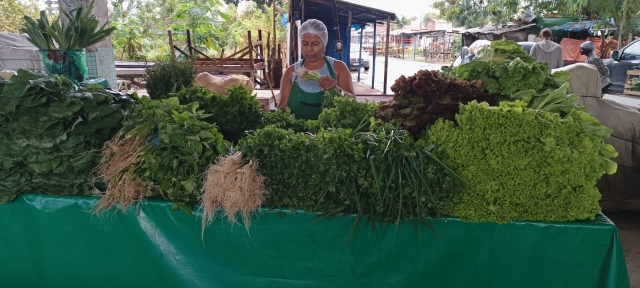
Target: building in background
[(244, 6)]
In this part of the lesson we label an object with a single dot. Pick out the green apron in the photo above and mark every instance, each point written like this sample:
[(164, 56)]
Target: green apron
[(305, 105)]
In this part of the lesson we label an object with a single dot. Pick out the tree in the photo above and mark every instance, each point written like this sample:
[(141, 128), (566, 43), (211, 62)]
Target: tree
[(12, 13), (403, 21), (427, 17), (475, 13)]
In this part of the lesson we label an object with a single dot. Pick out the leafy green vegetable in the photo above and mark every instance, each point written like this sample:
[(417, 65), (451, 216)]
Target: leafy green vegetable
[(507, 70), (234, 114), (181, 150), (427, 96), (344, 112), (382, 175), (165, 78), (51, 134), (523, 164)]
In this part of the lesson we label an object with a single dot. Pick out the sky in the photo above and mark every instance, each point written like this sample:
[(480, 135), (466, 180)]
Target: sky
[(407, 8)]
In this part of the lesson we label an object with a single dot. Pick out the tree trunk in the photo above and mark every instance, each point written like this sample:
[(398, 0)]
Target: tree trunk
[(620, 27)]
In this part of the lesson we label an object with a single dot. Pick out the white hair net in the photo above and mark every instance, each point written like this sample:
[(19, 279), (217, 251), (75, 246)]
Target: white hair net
[(316, 27), (588, 45)]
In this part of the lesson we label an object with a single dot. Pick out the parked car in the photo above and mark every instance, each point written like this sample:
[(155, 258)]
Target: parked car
[(628, 58), (354, 55)]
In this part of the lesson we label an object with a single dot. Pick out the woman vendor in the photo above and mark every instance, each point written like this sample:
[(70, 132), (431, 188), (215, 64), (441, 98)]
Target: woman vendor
[(303, 97)]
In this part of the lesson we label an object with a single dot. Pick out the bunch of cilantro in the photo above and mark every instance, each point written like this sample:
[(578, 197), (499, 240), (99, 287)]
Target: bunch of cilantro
[(51, 134)]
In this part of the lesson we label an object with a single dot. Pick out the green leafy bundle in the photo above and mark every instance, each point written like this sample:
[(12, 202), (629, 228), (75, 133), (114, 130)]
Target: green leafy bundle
[(383, 175), (174, 160), (344, 112), (51, 134), (284, 120), (234, 114), (167, 77), (506, 69), (523, 164), (427, 96)]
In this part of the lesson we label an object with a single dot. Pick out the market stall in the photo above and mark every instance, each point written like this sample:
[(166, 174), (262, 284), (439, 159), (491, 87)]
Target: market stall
[(454, 182)]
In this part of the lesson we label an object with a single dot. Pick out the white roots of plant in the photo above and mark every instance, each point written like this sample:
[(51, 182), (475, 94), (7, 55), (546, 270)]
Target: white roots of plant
[(234, 188), (123, 186)]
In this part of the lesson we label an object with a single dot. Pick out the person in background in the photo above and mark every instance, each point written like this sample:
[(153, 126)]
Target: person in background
[(547, 51), (305, 97), (587, 48)]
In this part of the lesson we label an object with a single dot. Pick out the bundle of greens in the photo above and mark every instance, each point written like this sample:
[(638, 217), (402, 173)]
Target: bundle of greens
[(234, 114), (344, 112), (523, 164), (284, 120), (50, 134), (382, 175), (427, 96), (167, 77), (314, 75), (506, 69), (167, 148)]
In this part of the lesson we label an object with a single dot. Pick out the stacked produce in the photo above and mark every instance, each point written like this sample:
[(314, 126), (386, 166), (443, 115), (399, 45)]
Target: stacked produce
[(168, 148), (497, 139), (506, 69), (523, 164), (427, 96), (50, 134)]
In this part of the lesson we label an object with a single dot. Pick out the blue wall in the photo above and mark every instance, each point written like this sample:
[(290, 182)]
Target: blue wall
[(345, 36)]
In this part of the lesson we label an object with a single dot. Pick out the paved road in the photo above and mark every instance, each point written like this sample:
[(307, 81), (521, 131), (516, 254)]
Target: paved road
[(396, 68)]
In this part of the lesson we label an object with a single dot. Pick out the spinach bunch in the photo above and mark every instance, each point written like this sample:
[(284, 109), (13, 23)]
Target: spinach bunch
[(51, 134)]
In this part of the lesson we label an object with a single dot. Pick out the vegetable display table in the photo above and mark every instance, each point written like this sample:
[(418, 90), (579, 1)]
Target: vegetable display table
[(51, 241)]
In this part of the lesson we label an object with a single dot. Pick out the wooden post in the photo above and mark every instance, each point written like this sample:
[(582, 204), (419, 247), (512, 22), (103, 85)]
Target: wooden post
[(253, 71), (173, 49), (386, 55), (189, 43), (348, 36), (302, 15), (275, 31)]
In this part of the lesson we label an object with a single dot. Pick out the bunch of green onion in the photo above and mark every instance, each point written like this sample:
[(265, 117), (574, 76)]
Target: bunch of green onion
[(314, 75)]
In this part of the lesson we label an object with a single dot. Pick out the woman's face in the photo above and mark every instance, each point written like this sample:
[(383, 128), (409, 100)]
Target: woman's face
[(312, 47)]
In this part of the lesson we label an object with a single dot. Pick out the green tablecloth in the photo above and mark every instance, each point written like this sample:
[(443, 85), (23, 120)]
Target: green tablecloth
[(50, 241)]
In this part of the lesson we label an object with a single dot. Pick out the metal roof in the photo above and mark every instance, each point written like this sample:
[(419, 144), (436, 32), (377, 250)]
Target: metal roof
[(322, 10), (490, 29), (580, 26)]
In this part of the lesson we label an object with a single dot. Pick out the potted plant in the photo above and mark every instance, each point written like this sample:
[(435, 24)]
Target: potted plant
[(62, 46)]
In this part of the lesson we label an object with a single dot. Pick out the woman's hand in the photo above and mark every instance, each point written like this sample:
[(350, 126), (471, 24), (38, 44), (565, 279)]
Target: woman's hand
[(327, 83)]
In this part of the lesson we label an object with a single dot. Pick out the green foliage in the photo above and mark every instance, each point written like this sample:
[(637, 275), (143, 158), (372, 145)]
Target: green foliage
[(168, 77), (12, 13), (180, 152), (384, 175), (522, 164), (345, 112), (427, 96), (81, 29), (234, 114), (284, 120), (51, 134), (507, 70)]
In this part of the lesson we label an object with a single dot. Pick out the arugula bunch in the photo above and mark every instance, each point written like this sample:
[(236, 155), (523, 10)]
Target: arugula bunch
[(51, 134)]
